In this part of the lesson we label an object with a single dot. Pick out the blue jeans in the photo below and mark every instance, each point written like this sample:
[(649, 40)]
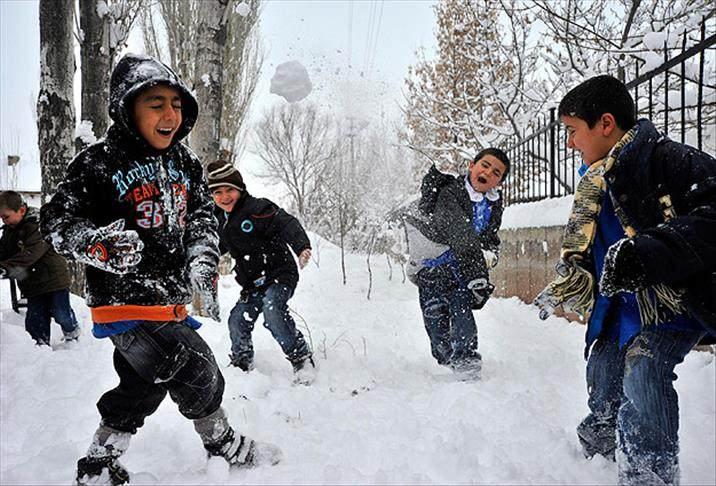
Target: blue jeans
[(273, 302), (42, 308), (155, 358), (447, 313), (634, 407)]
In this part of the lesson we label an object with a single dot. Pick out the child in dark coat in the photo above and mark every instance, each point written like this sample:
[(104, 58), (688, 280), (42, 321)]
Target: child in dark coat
[(40, 272), (135, 208), (258, 235), (452, 238), (643, 226)]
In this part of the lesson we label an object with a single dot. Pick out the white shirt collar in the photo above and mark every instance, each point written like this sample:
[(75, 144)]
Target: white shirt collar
[(476, 196)]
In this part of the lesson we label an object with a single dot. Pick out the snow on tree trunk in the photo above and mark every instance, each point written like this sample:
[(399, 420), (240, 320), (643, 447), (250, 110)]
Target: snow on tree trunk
[(95, 66), (55, 109), (208, 78)]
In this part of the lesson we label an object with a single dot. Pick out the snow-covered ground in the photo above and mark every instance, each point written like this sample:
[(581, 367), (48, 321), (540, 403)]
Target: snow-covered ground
[(381, 410)]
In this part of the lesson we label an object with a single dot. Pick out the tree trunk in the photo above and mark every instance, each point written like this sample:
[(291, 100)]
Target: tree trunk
[(208, 78), (55, 109), (95, 66)]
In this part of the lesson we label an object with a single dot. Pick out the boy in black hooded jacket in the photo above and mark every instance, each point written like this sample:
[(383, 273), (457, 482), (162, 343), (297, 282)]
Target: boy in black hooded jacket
[(135, 208), (258, 235)]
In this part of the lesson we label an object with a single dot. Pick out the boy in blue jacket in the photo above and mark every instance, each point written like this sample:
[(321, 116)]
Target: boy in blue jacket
[(643, 225)]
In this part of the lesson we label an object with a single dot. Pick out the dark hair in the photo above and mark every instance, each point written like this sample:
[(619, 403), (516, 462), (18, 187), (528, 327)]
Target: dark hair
[(597, 96), (498, 154), (11, 200)]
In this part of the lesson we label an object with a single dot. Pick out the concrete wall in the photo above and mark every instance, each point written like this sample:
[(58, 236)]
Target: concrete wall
[(527, 258)]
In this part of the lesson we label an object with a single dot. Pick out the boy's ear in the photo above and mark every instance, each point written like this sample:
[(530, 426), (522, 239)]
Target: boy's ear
[(22, 210), (609, 124)]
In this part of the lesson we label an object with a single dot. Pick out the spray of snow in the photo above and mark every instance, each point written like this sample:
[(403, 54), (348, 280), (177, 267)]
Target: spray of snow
[(85, 132)]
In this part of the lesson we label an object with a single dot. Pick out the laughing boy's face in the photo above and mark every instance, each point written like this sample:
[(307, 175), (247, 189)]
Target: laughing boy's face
[(157, 115)]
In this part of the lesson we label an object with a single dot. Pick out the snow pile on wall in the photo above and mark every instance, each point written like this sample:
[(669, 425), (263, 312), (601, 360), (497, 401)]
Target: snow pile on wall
[(547, 212)]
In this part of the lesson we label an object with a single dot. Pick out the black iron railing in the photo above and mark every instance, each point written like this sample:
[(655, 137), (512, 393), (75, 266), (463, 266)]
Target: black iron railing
[(680, 102)]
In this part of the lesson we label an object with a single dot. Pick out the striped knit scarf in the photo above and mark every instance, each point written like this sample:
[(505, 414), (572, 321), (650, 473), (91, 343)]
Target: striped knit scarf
[(575, 285)]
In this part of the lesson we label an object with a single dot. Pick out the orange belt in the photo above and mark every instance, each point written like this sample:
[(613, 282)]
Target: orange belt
[(113, 313)]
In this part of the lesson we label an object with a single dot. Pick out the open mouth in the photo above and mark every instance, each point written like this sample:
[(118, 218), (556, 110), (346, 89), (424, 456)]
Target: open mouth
[(481, 180), (165, 131)]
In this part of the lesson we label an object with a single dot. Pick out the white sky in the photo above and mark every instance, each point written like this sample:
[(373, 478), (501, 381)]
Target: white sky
[(357, 53)]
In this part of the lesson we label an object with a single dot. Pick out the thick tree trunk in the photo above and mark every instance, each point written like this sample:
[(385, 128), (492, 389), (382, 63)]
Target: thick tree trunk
[(208, 78), (55, 109), (95, 66), (209, 85)]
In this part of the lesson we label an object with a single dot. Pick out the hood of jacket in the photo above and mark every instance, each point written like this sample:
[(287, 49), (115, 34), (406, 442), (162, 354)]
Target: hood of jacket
[(135, 73)]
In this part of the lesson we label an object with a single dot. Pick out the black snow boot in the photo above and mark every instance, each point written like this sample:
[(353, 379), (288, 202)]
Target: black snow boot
[(597, 437), (244, 363), (304, 370), (101, 464), (91, 470), (239, 451)]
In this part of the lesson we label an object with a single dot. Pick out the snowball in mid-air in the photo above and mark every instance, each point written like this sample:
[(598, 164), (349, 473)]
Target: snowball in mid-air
[(291, 81)]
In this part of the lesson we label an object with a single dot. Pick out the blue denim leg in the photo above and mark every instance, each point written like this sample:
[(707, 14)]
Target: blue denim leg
[(37, 319), (435, 307), (62, 311), (648, 420), (241, 324), (278, 320), (605, 369), (463, 330)]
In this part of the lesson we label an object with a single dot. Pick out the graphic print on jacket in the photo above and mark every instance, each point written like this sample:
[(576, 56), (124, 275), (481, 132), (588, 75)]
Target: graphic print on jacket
[(161, 195)]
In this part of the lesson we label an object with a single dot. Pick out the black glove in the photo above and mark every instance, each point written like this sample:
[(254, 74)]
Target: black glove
[(623, 269), (204, 278), (481, 290), (113, 249)]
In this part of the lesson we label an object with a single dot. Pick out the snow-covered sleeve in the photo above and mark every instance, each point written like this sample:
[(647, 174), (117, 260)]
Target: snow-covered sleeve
[(201, 239), (459, 233), (64, 220)]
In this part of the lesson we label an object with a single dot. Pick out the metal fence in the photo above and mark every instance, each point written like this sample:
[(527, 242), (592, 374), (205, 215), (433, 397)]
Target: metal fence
[(675, 96)]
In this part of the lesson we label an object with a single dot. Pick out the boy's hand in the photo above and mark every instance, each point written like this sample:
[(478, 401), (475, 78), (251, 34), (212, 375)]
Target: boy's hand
[(481, 290), (204, 279), (490, 258), (113, 249), (304, 258), (623, 269), (547, 301)]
